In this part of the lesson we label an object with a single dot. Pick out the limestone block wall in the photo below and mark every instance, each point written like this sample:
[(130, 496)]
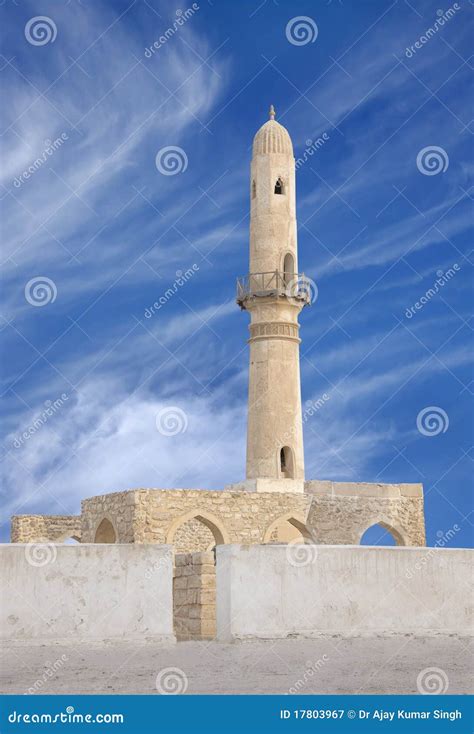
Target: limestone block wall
[(275, 591), (194, 596), (35, 528), (196, 520), (86, 593), (118, 507), (341, 512), (242, 517)]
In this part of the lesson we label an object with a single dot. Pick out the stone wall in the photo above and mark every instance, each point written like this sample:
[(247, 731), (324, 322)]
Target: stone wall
[(194, 596), (275, 591), (118, 507), (35, 528), (340, 513), (195, 520)]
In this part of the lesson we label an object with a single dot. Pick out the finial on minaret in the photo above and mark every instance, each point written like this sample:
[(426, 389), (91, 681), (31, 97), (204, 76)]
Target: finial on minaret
[(272, 112)]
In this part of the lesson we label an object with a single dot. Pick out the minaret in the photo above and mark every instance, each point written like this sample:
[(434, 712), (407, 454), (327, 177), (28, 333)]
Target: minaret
[(274, 294)]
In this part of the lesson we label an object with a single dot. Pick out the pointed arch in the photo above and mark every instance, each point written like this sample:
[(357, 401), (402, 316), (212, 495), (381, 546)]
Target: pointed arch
[(105, 532), (213, 523), (295, 520), (395, 532), (279, 186)]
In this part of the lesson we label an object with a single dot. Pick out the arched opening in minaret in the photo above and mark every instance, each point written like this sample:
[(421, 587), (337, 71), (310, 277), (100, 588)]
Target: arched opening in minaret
[(279, 186), (254, 189), (288, 268), (286, 463)]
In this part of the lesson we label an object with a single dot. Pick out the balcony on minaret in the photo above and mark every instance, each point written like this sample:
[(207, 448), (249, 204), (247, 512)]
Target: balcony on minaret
[(275, 284)]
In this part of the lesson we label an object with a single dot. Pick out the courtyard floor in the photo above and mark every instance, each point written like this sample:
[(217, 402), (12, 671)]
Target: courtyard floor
[(324, 665)]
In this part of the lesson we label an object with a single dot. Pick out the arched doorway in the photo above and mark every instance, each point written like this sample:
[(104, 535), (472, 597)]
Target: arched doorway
[(72, 540), (287, 529), (381, 534), (105, 532), (196, 531)]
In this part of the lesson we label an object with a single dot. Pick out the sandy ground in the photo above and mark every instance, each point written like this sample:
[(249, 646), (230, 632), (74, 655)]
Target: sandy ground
[(323, 665)]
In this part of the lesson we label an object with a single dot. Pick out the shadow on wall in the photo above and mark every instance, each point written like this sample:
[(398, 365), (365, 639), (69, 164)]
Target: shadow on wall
[(105, 532)]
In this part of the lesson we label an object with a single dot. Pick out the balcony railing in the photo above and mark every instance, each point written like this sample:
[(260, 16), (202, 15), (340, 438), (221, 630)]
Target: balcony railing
[(276, 284)]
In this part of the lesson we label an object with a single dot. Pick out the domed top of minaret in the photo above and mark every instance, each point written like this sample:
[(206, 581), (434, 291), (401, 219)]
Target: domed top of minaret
[(272, 138)]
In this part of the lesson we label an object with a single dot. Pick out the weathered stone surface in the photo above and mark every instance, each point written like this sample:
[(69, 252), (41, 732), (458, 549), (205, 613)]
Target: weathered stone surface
[(328, 513)]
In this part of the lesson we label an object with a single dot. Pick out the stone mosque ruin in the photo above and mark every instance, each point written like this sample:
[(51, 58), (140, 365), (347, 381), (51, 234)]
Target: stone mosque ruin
[(275, 503), (246, 528)]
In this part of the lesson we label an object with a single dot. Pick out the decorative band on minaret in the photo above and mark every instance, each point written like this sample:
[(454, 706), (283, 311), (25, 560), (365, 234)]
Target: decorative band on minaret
[(274, 293)]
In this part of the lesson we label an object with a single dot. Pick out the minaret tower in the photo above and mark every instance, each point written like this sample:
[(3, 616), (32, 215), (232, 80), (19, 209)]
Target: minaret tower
[(273, 293)]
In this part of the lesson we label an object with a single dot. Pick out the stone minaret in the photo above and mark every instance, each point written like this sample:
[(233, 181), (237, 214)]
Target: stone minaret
[(274, 294)]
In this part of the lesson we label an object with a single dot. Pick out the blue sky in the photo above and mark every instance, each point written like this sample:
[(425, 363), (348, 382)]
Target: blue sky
[(110, 231)]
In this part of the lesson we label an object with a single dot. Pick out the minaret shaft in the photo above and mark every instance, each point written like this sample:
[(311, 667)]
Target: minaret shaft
[(272, 295)]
